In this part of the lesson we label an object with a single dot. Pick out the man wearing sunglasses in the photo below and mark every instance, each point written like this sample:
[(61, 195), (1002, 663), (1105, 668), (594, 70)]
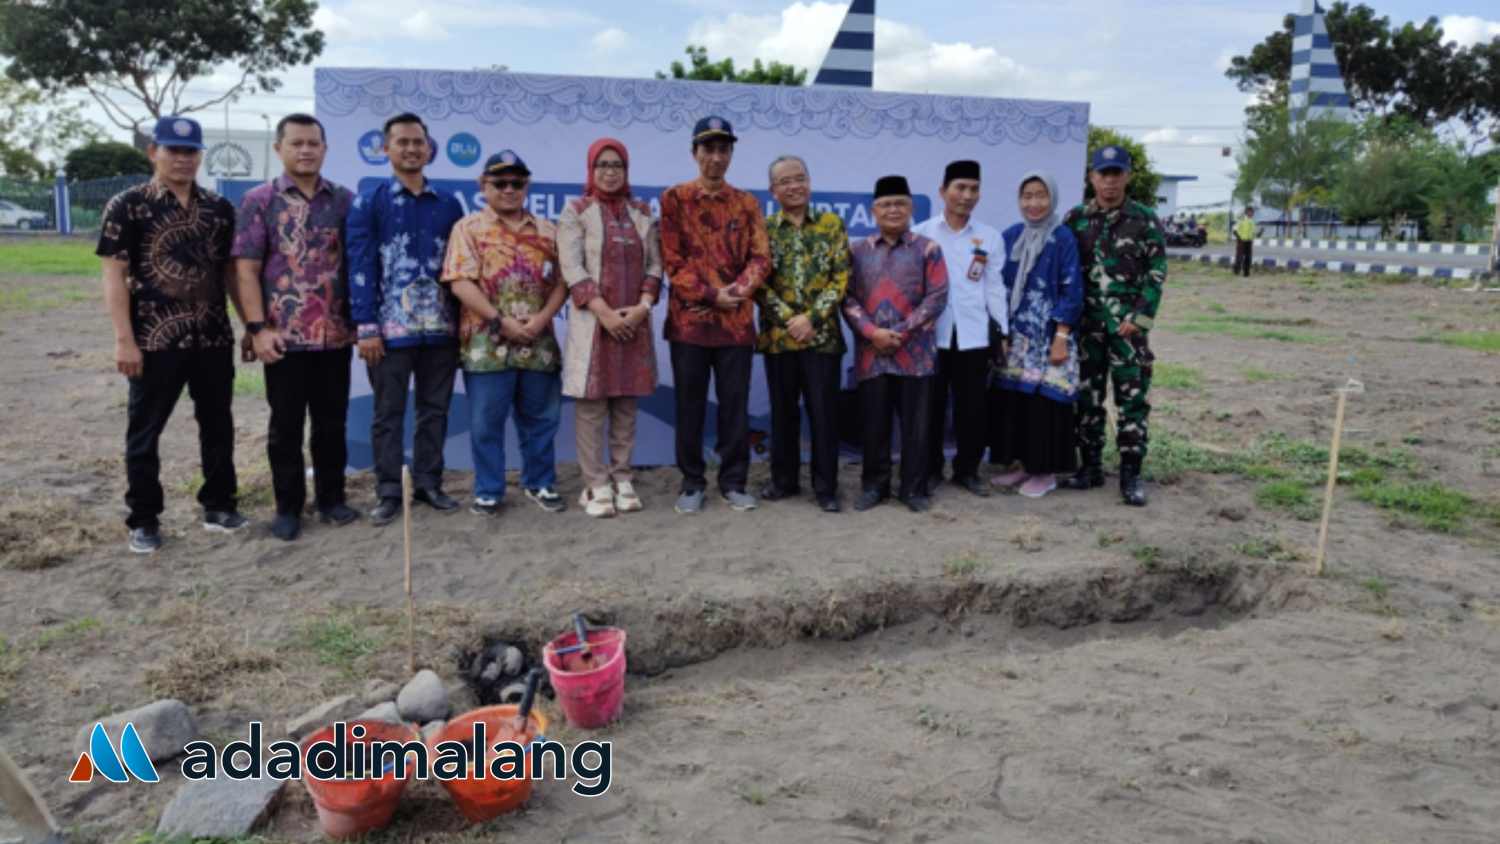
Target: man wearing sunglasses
[(502, 265), (407, 322)]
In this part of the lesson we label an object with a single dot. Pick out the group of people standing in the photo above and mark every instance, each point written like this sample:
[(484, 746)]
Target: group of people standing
[(1018, 332)]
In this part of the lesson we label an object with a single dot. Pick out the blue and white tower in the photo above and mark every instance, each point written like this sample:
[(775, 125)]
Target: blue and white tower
[(1317, 85), (851, 59)]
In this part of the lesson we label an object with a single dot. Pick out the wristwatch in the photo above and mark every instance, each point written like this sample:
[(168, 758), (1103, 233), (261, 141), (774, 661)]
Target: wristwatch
[(254, 327)]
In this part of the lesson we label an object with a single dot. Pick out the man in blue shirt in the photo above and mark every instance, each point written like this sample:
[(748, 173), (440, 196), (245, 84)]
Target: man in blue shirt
[(407, 322)]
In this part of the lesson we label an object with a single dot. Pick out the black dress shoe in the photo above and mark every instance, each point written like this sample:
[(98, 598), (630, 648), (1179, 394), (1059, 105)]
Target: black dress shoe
[(337, 515), (973, 484), (286, 526), (436, 499), (1087, 477), (829, 504), (918, 503), (772, 492), (870, 498), (1132, 488), (386, 511)]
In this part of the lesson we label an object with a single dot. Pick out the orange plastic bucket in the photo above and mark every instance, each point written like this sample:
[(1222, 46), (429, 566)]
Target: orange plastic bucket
[(483, 799), (351, 808), (590, 691)]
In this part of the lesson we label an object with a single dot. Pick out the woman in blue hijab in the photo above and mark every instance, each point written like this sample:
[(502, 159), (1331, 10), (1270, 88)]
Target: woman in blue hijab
[(1036, 378)]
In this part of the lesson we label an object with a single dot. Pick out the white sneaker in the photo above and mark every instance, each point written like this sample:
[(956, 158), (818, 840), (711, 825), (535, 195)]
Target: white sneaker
[(597, 502), (626, 501)]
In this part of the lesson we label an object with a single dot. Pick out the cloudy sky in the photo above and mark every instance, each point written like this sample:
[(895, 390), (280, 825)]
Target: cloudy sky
[(1151, 67)]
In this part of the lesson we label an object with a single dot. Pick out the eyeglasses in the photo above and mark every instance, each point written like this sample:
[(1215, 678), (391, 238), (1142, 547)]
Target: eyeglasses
[(789, 181), (509, 184), (609, 165)]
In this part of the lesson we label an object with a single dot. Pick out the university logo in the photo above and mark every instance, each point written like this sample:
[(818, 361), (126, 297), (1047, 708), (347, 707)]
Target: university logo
[(228, 160), (371, 149), (101, 756), (463, 149)]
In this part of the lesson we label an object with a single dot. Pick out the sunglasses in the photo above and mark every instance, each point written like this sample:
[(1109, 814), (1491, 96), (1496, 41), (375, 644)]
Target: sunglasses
[(509, 184)]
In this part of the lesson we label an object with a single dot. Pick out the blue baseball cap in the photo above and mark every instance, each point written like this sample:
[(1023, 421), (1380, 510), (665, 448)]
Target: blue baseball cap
[(1111, 158), (711, 128), (505, 161), (173, 131)]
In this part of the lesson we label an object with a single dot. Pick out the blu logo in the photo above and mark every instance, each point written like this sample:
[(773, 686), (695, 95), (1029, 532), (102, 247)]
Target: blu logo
[(463, 149), (372, 147)]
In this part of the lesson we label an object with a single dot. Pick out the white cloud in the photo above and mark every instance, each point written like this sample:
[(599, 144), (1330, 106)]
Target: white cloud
[(1221, 64), (1176, 137), (1467, 30), (334, 25), (906, 58), (610, 40), (424, 26)]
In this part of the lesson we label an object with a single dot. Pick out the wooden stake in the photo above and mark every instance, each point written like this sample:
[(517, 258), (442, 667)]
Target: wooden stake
[(411, 610), (1333, 474)]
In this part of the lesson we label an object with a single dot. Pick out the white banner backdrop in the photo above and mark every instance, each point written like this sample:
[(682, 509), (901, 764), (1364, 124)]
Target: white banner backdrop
[(848, 138)]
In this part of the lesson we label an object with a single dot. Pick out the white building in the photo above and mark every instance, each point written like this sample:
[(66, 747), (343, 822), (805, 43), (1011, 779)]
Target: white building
[(1166, 195)]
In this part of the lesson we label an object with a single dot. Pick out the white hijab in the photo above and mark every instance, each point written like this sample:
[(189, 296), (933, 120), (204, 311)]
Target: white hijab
[(1028, 247)]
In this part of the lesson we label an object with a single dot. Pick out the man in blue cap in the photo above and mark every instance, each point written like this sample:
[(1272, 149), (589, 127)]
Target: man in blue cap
[(1124, 257), (502, 265), (165, 247)]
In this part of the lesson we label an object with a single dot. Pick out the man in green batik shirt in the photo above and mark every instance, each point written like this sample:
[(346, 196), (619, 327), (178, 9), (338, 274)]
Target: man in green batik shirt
[(800, 333), (1124, 258)]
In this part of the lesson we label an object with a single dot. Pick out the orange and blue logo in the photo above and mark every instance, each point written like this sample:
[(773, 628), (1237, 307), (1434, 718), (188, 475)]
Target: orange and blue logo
[(131, 760)]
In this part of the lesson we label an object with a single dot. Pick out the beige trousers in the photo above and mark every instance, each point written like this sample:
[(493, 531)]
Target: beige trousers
[(590, 419)]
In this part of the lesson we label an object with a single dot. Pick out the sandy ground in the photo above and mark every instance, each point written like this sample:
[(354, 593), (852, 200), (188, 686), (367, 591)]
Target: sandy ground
[(1003, 669)]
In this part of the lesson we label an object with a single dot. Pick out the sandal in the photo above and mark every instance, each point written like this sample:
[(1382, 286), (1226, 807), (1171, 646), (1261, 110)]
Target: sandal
[(626, 501), (597, 502), (1037, 486)]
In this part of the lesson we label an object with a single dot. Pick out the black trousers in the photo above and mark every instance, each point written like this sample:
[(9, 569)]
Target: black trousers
[(812, 378), (1242, 257), (730, 367), (208, 375), (964, 374), (433, 368), (879, 399), (308, 384)]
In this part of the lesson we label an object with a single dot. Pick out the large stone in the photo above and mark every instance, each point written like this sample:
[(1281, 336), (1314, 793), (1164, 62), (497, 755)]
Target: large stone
[(384, 712), (341, 708), (219, 808), (379, 691), (423, 699), (164, 727)]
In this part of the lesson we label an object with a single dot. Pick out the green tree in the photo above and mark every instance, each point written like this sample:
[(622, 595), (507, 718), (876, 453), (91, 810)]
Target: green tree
[(1293, 166), (702, 69), (1412, 70), (103, 159), (1144, 180), (1457, 192), (1386, 181), (136, 58), (33, 127)]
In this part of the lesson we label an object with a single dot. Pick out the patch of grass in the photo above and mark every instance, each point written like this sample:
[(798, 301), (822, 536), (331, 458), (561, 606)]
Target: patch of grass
[(1149, 556), (1173, 456), (754, 796), (41, 532), (11, 663), (250, 381), (49, 256), (1377, 587), (961, 567), (1289, 495), (1256, 375), (63, 634), (1216, 308), (1267, 549), (1252, 327), (1432, 505), (1479, 341), (340, 641), (1176, 376), (196, 673), (37, 299)]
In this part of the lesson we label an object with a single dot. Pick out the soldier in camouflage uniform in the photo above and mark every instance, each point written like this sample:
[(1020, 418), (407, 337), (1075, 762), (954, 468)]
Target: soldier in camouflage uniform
[(1124, 258)]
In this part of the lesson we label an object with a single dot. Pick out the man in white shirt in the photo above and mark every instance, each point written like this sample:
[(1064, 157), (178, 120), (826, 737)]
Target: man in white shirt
[(976, 296)]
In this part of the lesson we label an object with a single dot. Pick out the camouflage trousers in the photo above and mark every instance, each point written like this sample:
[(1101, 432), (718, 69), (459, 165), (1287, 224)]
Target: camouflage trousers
[(1104, 358)]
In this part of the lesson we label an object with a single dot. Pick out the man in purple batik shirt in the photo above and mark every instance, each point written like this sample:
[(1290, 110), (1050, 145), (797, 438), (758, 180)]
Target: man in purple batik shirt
[(289, 251)]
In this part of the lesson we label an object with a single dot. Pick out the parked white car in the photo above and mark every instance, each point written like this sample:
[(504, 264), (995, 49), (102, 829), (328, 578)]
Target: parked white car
[(13, 216)]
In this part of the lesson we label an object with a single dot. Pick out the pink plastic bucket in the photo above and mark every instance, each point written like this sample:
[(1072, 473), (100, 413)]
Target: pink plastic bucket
[(590, 691)]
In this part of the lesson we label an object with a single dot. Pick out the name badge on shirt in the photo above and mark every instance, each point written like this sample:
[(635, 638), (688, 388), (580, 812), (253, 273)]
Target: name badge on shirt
[(977, 263)]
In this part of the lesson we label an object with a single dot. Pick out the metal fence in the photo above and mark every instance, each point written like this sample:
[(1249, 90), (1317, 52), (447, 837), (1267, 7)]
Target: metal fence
[(33, 206)]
